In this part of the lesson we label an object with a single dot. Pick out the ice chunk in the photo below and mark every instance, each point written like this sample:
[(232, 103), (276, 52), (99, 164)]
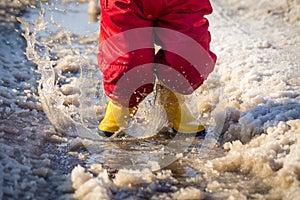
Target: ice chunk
[(133, 177), (88, 187), (188, 193)]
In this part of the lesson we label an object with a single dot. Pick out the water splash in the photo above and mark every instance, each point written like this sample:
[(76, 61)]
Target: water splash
[(61, 109), (77, 112), (72, 97)]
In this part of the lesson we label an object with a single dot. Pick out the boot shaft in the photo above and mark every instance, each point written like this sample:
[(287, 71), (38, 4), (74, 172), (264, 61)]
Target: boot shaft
[(177, 112)]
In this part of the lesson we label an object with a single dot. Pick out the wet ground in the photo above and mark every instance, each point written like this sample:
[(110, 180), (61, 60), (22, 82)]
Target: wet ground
[(49, 108)]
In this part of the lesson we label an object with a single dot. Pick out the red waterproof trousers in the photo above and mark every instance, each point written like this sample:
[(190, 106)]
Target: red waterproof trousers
[(127, 58)]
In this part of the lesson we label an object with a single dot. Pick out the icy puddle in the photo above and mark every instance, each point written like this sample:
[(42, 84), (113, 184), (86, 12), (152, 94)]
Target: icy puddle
[(63, 45)]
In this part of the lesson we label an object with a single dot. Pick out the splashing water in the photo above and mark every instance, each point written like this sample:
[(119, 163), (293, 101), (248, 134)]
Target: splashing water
[(72, 96), (70, 89)]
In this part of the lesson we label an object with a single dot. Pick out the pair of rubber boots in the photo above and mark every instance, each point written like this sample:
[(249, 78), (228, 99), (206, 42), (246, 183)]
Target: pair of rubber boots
[(178, 115)]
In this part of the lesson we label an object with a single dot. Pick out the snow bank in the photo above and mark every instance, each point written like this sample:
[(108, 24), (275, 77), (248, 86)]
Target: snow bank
[(254, 95), (87, 187), (273, 156), (99, 186), (91, 187)]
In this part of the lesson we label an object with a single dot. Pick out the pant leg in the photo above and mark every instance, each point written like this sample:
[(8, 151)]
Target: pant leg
[(126, 53), (185, 59)]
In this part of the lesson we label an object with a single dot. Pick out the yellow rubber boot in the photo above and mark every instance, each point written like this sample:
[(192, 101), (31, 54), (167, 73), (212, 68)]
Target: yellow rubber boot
[(116, 116), (177, 112)]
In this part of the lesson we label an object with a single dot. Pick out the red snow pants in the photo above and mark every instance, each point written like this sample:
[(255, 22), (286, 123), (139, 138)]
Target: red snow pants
[(127, 57)]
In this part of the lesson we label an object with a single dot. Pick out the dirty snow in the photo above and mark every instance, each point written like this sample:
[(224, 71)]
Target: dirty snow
[(251, 101)]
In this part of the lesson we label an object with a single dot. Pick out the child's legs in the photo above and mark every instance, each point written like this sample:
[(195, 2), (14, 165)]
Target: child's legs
[(126, 53), (189, 64)]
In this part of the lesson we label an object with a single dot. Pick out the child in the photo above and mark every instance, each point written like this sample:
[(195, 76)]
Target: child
[(130, 67)]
